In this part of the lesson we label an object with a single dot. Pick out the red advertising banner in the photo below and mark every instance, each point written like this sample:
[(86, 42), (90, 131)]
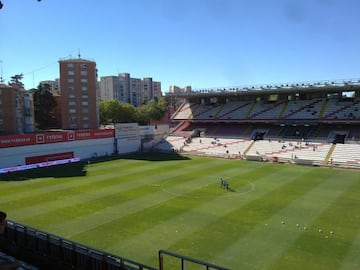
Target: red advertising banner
[(54, 137), (46, 158)]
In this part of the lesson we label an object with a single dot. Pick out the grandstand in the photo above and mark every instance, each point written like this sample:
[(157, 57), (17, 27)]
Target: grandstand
[(303, 123)]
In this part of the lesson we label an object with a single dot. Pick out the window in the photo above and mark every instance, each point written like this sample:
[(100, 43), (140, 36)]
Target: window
[(71, 88), (72, 96), (84, 80), (85, 96), (85, 118), (73, 126), (84, 88), (71, 72), (71, 80), (72, 103), (83, 66), (84, 103), (85, 110), (85, 125), (83, 72), (0, 101), (70, 65), (72, 118), (72, 111)]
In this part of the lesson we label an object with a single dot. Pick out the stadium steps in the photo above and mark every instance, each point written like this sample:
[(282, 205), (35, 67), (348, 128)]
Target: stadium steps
[(323, 108), (248, 148), (331, 150), (343, 108), (219, 111), (302, 108), (283, 110), (177, 115), (179, 129), (250, 110), (267, 109), (206, 110), (233, 110), (196, 107)]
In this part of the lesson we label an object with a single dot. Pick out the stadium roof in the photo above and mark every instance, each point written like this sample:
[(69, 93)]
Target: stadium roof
[(280, 88)]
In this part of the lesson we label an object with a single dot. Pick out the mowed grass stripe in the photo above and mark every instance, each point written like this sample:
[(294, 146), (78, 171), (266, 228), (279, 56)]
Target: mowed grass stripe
[(222, 233), (90, 197), (112, 210), (185, 185), (187, 201), (190, 186), (34, 182), (273, 240), (68, 186), (62, 184), (164, 235), (325, 250), (23, 189)]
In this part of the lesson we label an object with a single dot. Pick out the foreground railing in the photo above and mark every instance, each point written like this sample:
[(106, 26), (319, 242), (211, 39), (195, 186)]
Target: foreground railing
[(184, 259), (65, 252)]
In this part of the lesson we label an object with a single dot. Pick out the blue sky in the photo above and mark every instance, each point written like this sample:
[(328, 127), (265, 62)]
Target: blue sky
[(202, 43)]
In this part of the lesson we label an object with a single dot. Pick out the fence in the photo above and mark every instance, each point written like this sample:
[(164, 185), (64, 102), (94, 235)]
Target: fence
[(184, 259), (68, 253)]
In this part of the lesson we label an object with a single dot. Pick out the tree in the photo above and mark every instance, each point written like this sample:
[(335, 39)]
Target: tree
[(16, 80), (114, 111), (156, 108), (44, 104)]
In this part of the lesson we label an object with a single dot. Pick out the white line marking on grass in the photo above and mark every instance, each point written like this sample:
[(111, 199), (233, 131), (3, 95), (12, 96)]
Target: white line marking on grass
[(252, 188)]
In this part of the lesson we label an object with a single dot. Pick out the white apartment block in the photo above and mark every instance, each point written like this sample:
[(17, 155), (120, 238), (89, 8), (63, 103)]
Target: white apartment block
[(54, 86), (130, 90)]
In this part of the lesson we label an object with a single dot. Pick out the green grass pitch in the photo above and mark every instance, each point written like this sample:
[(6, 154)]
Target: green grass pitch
[(276, 216)]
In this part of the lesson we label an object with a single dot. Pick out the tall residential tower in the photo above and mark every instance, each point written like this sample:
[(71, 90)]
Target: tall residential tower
[(79, 110)]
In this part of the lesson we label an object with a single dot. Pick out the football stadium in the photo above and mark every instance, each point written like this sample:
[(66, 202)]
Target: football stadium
[(258, 177)]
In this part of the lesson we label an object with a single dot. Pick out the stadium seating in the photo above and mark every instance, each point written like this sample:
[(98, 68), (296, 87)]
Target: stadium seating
[(346, 155), (303, 109), (346, 109), (224, 147)]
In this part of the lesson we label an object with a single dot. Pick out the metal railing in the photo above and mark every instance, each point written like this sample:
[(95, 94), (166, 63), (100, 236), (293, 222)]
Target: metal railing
[(68, 253), (184, 259)]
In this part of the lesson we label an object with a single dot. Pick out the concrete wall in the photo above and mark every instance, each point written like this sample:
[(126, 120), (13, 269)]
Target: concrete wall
[(83, 149)]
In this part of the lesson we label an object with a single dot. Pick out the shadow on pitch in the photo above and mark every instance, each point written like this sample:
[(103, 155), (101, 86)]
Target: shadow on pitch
[(154, 156), (59, 171)]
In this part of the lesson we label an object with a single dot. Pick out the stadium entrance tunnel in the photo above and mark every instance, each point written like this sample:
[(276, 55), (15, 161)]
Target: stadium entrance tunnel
[(258, 135), (339, 138)]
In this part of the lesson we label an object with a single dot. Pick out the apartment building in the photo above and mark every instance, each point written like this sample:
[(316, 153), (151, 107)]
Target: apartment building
[(78, 81), (16, 110), (54, 86), (130, 90), (177, 89)]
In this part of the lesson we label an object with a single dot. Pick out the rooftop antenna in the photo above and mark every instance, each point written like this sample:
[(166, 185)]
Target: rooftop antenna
[(79, 54), (1, 72)]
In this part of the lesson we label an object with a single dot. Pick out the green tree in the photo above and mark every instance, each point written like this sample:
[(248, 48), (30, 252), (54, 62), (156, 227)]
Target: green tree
[(142, 116), (156, 108), (16, 80), (114, 111), (44, 104)]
